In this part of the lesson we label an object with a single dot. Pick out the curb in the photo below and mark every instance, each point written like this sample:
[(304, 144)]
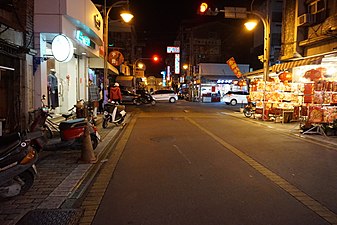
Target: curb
[(72, 188)]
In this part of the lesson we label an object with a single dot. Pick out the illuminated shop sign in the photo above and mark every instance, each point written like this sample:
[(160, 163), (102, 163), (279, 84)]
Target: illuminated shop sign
[(163, 73), (176, 63), (85, 40), (172, 49), (224, 81), (62, 48)]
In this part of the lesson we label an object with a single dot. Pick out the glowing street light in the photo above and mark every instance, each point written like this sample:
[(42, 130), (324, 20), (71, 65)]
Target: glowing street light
[(250, 25), (126, 16)]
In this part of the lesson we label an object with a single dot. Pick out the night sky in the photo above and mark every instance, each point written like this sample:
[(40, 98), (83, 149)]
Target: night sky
[(157, 21)]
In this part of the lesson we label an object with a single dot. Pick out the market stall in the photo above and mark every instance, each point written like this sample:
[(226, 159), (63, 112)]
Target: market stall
[(307, 93)]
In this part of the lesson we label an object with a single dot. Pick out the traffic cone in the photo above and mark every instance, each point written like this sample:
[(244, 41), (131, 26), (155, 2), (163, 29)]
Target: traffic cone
[(87, 154)]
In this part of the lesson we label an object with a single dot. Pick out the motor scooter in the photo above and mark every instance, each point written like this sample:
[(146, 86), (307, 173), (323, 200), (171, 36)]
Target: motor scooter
[(71, 132), (146, 98), (17, 163), (249, 109), (113, 113)]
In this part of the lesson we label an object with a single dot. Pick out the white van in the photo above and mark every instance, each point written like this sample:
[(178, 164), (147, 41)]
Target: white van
[(235, 97)]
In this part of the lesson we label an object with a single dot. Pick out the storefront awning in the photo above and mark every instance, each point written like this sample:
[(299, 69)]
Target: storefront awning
[(295, 63), (125, 81), (98, 63)]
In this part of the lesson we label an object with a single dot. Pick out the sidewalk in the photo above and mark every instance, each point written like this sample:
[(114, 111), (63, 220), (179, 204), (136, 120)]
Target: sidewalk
[(61, 181)]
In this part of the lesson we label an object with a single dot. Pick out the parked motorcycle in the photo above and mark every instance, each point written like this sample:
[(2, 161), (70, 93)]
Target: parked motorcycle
[(17, 163), (113, 113), (146, 98), (71, 132), (249, 109)]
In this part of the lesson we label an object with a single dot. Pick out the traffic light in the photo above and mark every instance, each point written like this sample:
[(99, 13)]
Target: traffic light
[(203, 8), (155, 58)]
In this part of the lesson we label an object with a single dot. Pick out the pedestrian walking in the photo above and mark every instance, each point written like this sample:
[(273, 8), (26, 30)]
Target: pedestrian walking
[(94, 97), (115, 93)]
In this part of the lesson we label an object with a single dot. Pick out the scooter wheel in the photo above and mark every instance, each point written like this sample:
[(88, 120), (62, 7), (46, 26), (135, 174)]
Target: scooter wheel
[(247, 113), (94, 141), (26, 179), (105, 123), (153, 102)]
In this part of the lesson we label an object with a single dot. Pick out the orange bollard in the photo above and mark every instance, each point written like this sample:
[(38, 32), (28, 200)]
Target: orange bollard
[(87, 154)]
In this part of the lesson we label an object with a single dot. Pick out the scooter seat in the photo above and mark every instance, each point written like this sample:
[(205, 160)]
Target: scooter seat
[(72, 123), (8, 142), (66, 116)]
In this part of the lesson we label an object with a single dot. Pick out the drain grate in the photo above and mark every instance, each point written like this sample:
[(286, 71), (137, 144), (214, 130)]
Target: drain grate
[(51, 217)]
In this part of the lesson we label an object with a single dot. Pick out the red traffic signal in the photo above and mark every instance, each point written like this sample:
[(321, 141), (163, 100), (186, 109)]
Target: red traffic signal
[(155, 58)]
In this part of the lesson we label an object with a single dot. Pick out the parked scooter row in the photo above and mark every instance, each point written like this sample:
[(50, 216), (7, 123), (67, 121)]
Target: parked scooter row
[(17, 163), (70, 132)]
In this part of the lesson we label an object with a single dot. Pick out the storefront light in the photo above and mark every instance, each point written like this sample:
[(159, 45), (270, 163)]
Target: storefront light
[(62, 48)]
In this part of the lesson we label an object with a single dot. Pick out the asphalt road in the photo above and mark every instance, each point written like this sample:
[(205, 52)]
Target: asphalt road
[(191, 164)]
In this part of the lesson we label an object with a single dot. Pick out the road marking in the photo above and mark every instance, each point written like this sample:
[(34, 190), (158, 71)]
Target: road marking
[(182, 154), (302, 197)]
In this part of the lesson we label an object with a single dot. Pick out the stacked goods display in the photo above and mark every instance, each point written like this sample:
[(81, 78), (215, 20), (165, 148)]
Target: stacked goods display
[(309, 92), (277, 96), (320, 94)]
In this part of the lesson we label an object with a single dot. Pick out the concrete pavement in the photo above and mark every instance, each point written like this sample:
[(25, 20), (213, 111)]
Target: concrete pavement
[(62, 180)]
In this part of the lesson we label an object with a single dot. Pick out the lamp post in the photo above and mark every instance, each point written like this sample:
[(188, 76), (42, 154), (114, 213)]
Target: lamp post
[(126, 16), (266, 51), (266, 41)]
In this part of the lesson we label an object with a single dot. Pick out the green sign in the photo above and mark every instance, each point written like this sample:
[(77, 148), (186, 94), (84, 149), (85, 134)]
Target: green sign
[(83, 39)]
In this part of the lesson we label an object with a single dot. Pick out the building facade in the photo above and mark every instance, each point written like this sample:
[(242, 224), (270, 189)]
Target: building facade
[(309, 28), (80, 24), (16, 62)]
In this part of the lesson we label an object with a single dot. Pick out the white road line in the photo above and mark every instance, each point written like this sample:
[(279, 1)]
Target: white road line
[(182, 154)]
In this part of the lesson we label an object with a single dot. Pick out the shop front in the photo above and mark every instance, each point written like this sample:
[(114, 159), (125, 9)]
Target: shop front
[(66, 38), (215, 80), (304, 91)]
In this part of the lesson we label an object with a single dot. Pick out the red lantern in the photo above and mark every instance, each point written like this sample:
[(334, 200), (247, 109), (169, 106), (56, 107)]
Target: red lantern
[(285, 76)]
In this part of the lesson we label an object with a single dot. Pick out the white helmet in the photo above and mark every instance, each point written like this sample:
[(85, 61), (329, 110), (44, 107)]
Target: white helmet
[(116, 84)]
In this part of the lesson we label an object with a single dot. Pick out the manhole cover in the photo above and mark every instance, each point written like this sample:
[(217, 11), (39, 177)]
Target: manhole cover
[(51, 217)]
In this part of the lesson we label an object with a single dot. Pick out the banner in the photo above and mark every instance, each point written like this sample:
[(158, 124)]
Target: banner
[(234, 67)]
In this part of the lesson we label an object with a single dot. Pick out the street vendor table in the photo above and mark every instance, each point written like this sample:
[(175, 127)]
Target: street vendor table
[(287, 115)]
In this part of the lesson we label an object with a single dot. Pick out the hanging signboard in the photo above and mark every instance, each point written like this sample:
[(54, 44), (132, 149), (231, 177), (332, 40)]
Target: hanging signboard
[(115, 58), (62, 48)]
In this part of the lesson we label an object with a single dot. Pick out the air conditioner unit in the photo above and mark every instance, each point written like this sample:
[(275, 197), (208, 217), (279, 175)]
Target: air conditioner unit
[(305, 20), (316, 7)]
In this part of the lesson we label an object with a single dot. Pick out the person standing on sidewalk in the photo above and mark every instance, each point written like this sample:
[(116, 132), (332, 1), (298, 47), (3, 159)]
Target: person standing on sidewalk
[(94, 97), (116, 94)]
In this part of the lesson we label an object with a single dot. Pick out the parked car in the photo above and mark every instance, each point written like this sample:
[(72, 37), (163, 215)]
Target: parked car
[(128, 96), (165, 95), (235, 97)]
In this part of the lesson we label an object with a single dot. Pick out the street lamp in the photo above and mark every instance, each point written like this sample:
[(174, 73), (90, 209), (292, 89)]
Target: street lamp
[(266, 52), (250, 25), (126, 16)]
